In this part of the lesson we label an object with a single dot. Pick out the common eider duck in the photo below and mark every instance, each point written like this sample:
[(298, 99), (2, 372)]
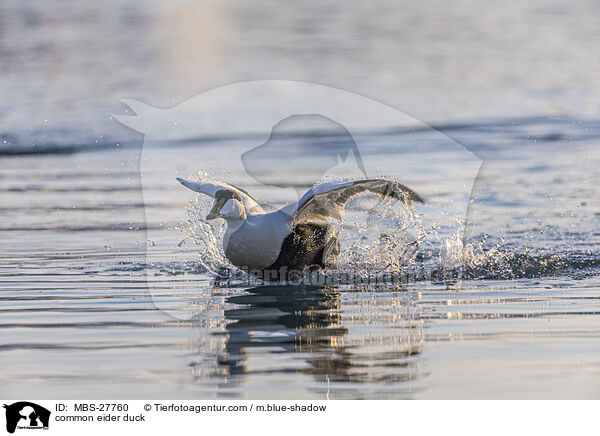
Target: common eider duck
[(279, 245)]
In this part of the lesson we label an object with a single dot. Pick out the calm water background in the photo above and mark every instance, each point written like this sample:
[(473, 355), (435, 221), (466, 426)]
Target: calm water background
[(516, 84)]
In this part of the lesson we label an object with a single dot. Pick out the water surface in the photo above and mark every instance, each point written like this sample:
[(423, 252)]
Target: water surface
[(83, 316), (78, 317)]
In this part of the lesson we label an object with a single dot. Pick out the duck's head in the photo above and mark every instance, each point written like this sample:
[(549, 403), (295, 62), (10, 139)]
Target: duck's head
[(227, 205)]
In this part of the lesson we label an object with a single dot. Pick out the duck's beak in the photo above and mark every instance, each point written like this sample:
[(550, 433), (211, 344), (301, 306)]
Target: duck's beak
[(215, 212), (212, 216)]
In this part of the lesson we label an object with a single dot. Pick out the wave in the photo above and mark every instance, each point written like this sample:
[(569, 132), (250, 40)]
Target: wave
[(493, 265), (534, 130)]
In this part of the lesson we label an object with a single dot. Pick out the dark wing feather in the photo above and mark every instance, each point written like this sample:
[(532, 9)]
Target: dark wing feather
[(329, 199)]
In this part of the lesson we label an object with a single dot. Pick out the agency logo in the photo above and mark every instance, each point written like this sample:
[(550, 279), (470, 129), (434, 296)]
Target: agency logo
[(275, 140), (26, 415)]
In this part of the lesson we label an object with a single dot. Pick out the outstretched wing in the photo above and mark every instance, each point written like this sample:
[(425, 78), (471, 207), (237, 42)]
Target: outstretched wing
[(328, 200), (211, 189)]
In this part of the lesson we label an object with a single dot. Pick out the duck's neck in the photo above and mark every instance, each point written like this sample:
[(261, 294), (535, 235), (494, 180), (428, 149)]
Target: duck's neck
[(233, 224)]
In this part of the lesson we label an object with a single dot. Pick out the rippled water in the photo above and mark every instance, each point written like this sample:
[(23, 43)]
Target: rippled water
[(522, 322), (509, 308)]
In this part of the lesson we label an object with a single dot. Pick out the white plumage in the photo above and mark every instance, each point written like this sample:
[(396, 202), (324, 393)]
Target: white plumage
[(294, 237)]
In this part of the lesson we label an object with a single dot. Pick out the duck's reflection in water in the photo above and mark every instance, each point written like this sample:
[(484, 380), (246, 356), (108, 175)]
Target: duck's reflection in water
[(331, 337)]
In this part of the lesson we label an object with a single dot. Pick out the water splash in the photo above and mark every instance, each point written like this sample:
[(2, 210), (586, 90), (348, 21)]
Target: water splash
[(377, 235), (381, 235), (452, 255), (386, 240), (207, 235)]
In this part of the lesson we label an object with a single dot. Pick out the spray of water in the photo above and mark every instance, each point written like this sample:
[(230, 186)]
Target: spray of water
[(378, 235), (387, 237), (207, 235)]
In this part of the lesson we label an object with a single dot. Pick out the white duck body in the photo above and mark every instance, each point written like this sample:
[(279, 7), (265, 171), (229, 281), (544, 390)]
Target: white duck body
[(256, 242)]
